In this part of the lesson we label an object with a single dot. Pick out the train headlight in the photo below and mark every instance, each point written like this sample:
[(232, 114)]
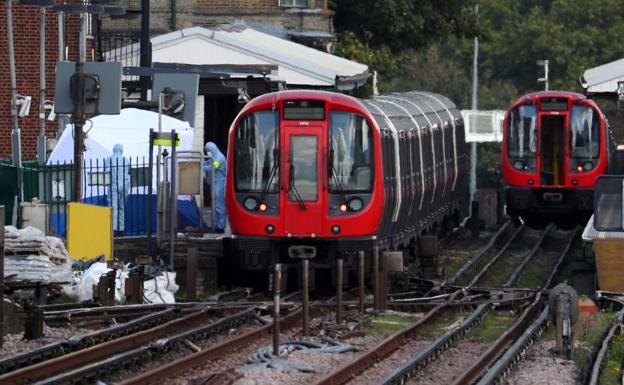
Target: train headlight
[(263, 207), (356, 204), (588, 166), (579, 168), (343, 207), (518, 165), (250, 203)]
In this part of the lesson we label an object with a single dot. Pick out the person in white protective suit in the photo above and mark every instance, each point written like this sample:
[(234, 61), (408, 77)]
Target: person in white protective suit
[(120, 186), (218, 165)]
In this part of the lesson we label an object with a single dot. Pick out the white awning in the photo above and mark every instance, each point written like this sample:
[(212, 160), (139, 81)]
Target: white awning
[(238, 44), (604, 78)]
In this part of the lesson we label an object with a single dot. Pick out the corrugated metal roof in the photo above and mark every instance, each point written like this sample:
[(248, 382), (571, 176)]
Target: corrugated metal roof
[(239, 44), (604, 78)]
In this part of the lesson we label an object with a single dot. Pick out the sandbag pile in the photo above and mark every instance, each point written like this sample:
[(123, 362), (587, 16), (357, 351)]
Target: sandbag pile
[(160, 289), (30, 255)]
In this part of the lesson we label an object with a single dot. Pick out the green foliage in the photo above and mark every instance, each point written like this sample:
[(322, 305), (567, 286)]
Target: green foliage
[(612, 371), (404, 24), (493, 325), (573, 35), (387, 324), (380, 59)]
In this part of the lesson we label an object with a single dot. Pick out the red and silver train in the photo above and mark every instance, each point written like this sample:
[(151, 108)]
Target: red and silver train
[(555, 145), (322, 174)]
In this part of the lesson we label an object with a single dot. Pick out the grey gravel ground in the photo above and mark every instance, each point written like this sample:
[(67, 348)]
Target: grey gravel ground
[(381, 369), (14, 343), (453, 362), (322, 363), (542, 367)]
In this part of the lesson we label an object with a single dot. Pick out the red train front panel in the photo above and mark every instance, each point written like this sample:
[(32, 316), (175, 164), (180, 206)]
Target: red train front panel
[(554, 148), (304, 165)]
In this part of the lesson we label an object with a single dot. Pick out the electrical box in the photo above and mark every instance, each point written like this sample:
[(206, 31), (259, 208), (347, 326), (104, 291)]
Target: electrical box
[(36, 214), (102, 88), (180, 91)]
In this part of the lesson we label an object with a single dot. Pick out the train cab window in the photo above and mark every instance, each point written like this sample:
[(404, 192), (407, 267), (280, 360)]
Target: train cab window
[(521, 139), (255, 154), (350, 161), (584, 134)]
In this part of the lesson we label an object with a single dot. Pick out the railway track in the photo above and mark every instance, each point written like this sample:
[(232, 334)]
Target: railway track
[(515, 335), (115, 348), (167, 337), (596, 369)]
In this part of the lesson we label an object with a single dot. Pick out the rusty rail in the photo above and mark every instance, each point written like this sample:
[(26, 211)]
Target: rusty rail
[(518, 333), (187, 362), (98, 352), (92, 370), (474, 261), (382, 350), (51, 351), (345, 373)]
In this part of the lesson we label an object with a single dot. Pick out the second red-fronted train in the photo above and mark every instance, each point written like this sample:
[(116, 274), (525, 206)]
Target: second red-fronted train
[(324, 175), (555, 145)]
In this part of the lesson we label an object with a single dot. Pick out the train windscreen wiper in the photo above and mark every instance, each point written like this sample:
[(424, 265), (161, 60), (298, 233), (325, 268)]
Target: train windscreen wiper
[(333, 174), (272, 173), (294, 189)]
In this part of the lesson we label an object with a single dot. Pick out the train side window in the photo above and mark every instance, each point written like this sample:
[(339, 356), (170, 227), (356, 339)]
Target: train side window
[(255, 152)]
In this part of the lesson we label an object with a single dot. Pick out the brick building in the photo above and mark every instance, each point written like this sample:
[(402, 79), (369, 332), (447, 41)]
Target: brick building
[(26, 42), (307, 22)]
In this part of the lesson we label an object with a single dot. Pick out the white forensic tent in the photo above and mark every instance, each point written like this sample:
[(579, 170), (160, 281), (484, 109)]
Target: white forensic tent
[(130, 128)]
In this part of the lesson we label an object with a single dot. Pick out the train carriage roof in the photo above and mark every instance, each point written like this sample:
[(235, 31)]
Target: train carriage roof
[(426, 108)]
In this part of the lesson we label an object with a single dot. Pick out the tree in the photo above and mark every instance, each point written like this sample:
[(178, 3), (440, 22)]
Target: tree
[(404, 24)]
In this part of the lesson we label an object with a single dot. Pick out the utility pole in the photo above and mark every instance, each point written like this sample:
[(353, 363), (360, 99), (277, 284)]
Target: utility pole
[(473, 106), (41, 148), (78, 116), (16, 133), (61, 57), (145, 45)]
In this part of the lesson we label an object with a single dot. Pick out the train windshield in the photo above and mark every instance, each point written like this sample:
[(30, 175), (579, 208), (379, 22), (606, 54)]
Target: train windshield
[(521, 141), (585, 133), (256, 152), (350, 162)]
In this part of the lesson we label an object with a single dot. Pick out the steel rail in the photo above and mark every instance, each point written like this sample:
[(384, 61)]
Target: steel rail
[(78, 358), (516, 350), (410, 368), (212, 353), (343, 374), (515, 276), (485, 361), (601, 355), (495, 258), (471, 264), (54, 350), (364, 361), (91, 370)]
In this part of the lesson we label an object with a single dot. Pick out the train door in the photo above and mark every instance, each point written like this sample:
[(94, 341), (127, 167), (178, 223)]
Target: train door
[(552, 150), (302, 200)]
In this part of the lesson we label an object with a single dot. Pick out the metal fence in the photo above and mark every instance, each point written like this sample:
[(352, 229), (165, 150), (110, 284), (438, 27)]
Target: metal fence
[(121, 184)]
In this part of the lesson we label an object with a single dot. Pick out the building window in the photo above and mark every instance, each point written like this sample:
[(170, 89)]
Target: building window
[(293, 3)]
